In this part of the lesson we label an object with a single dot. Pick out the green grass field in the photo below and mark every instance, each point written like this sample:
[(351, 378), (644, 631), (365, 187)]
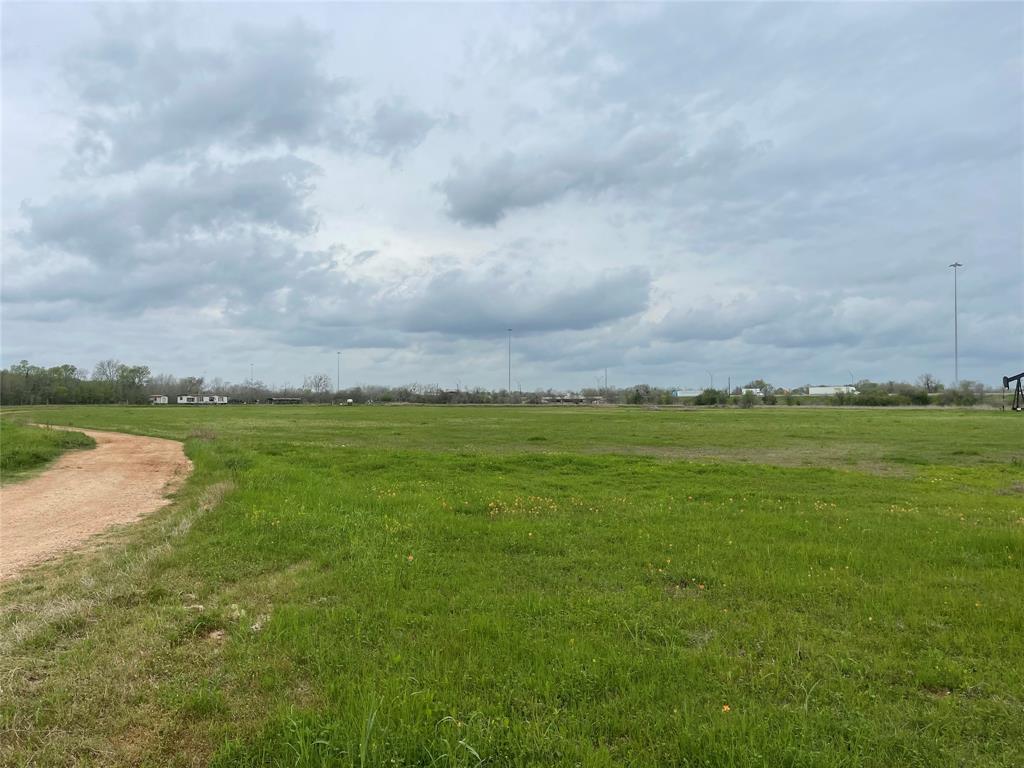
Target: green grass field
[(378, 586), (24, 449)]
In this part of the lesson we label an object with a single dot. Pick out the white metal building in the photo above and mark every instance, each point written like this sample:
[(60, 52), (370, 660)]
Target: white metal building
[(842, 389), (158, 399)]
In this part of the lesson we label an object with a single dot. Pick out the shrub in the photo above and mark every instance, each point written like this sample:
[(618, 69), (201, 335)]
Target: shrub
[(711, 397), (958, 397), (919, 397), (747, 400)]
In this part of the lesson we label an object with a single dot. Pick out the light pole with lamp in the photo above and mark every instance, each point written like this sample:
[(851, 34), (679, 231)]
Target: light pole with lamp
[(510, 364), (956, 326)]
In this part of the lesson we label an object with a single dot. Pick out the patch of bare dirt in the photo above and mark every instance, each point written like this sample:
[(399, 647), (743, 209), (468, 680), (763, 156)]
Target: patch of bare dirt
[(85, 492)]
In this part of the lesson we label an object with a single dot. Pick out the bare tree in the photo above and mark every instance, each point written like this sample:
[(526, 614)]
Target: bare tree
[(162, 384), (928, 382), (107, 370), (318, 383)]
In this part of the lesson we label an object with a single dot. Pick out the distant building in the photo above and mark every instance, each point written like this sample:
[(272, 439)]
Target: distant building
[(756, 391), (202, 400), (158, 399), (284, 400), (564, 397), (842, 389), (685, 392)]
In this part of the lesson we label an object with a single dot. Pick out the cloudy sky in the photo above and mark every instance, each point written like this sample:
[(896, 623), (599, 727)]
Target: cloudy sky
[(767, 191)]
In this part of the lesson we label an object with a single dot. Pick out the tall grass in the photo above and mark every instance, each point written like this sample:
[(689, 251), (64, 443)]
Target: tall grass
[(24, 448)]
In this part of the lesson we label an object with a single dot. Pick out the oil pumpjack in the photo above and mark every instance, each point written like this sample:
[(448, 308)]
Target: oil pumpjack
[(1018, 393)]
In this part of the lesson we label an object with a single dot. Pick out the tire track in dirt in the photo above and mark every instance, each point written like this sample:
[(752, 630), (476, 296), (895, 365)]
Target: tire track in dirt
[(83, 493)]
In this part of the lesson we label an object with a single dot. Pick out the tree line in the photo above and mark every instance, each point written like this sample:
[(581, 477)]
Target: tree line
[(111, 381)]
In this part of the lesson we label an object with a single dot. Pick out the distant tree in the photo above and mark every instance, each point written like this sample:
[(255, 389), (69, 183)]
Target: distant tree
[(318, 384), (974, 387), (133, 376), (928, 382), (107, 370), (130, 381), (162, 384)]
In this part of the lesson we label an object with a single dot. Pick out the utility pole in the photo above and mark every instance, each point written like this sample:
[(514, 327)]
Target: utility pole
[(510, 364), (956, 326), (606, 381), (252, 382), (337, 380), (712, 379)]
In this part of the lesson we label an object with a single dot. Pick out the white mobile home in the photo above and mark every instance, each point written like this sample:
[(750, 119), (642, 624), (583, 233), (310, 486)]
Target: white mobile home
[(158, 399), (202, 399)]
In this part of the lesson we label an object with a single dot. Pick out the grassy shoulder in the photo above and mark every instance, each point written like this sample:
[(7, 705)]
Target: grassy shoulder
[(25, 449), (432, 586)]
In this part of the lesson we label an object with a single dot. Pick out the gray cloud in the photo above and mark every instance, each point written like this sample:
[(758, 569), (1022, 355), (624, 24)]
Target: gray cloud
[(640, 161), (119, 226), (395, 128), (810, 321), (215, 232), (462, 303), (146, 97)]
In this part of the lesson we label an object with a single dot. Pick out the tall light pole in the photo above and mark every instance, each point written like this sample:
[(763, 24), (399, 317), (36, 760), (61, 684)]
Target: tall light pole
[(510, 362), (712, 379), (337, 380), (956, 326)]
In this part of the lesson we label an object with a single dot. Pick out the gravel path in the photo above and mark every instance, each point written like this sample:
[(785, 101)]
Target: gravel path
[(85, 492)]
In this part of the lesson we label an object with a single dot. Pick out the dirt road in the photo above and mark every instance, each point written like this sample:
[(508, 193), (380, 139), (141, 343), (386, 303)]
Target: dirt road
[(85, 492)]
